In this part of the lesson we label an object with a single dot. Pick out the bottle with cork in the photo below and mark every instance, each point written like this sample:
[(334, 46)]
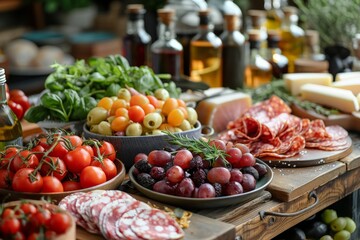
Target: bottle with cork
[(292, 37), (206, 53), (259, 70), (136, 42), (10, 126), (167, 52), (274, 14), (278, 61), (233, 53), (257, 20)]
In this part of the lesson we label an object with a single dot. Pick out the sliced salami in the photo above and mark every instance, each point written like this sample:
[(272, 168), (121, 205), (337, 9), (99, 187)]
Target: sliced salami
[(155, 224), (69, 203), (123, 225), (336, 132), (88, 226)]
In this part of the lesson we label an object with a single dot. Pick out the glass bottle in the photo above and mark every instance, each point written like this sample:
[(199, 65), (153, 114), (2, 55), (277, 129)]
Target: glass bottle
[(233, 53), (205, 54), (257, 20), (136, 42), (167, 52), (274, 14), (10, 126), (292, 37), (279, 62), (259, 70)]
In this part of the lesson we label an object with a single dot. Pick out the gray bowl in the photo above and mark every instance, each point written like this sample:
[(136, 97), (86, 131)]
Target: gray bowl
[(127, 147)]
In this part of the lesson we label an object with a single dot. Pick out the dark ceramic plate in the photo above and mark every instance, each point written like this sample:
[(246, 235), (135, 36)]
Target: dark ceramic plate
[(199, 203)]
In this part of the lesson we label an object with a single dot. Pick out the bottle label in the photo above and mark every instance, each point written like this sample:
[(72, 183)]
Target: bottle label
[(16, 141)]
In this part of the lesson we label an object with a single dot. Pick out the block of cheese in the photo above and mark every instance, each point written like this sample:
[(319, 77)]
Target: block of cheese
[(341, 99), (347, 76), (350, 84), (293, 81), (218, 111)]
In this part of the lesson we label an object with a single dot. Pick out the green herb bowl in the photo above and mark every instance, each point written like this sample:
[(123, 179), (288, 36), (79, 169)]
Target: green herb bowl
[(127, 146)]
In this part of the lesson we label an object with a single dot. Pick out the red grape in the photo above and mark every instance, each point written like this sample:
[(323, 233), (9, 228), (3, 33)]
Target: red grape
[(246, 160), (140, 156), (159, 158), (243, 148), (183, 158), (185, 188), (232, 188), (195, 193), (219, 144), (163, 187), (234, 156), (220, 162), (206, 190), (175, 174), (236, 175), (218, 175), (157, 173), (249, 182)]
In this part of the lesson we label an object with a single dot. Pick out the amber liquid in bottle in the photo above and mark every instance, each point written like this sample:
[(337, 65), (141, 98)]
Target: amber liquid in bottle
[(274, 15), (10, 126)]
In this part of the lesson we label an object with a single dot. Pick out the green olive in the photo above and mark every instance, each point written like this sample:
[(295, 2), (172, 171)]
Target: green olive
[(161, 94), (157, 132), (110, 119), (152, 120), (105, 128), (96, 115), (192, 115), (94, 128), (134, 129), (185, 125), (125, 94)]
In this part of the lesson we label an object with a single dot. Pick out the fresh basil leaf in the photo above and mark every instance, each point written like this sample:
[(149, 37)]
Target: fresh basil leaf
[(36, 114)]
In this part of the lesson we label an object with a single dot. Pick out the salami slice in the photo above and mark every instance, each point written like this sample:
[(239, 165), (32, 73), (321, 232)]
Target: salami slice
[(275, 126), (155, 224), (69, 203), (268, 146), (88, 226), (336, 132), (123, 225)]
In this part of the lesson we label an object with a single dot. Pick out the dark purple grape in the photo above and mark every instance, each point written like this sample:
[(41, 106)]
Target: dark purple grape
[(135, 172), (199, 177), (249, 182), (206, 190), (206, 164), (143, 166), (236, 175), (145, 180), (261, 168), (218, 189), (163, 187), (157, 173), (252, 171), (232, 188), (185, 188)]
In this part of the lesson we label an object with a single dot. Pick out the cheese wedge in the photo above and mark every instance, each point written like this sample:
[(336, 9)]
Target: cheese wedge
[(294, 81), (350, 84), (341, 99), (218, 111), (347, 76)]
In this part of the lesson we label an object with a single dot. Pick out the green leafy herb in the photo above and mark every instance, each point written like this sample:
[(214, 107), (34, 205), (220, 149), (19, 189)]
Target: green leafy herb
[(278, 88)]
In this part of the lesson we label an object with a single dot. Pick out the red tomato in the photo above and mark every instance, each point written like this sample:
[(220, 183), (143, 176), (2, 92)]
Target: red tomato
[(17, 109), (8, 156), (50, 234), (77, 159), (38, 150), (33, 236), (92, 176), (10, 226), (89, 149), (23, 183), (25, 159), (59, 222), (52, 184), (22, 100), (107, 166), (59, 150), (53, 166), (71, 186), (136, 114), (76, 141), (107, 150), (16, 92), (40, 218), (8, 212), (43, 143), (28, 208), (6, 178)]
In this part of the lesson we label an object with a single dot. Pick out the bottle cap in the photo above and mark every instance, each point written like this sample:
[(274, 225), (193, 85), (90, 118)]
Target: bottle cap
[(135, 8), (232, 21), (204, 15), (257, 17), (166, 15), (254, 35), (2, 75)]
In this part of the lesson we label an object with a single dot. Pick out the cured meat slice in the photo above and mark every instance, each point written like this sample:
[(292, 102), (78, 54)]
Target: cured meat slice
[(268, 146), (78, 203), (69, 203), (276, 125), (296, 145), (316, 132), (336, 132), (155, 224), (96, 205)]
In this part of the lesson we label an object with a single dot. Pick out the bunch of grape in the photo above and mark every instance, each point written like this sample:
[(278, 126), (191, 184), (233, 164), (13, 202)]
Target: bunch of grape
[(341, 227), (185, 173)]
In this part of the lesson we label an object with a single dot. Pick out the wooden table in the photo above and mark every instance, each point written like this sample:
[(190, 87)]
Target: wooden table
[(288, 193)]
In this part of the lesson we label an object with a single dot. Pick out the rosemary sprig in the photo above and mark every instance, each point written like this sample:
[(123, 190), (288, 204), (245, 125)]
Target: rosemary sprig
[(198, 146)]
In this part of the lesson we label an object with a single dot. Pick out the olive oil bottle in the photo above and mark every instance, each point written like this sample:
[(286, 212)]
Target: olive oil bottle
[(10, 126)]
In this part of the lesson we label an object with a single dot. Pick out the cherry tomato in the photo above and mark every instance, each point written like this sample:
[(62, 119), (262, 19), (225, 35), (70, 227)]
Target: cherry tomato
[(136, 114), (76, 141), (59, 222), (51, 185), (22, 182), (38, 150), (107, 150), (71, 186), (77, 159), (8, 212), (10, 226), (59, 150), (92, 176), (28, 208), (43, 143), (16, 92), (33, 236), (22, 100), (6, 178), (8, 156), (89, 149), (50, 234), (107, 166), (40, 218), (17, 109), (53, 166), (25, 159)]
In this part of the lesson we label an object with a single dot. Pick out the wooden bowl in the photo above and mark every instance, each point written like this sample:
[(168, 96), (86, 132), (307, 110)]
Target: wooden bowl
[(10, 195), (70, 234), (127, 146)]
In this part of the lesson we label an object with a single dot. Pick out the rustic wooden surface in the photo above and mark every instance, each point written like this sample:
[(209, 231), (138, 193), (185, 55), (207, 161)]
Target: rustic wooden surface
[(352, 161), (29, 129)]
